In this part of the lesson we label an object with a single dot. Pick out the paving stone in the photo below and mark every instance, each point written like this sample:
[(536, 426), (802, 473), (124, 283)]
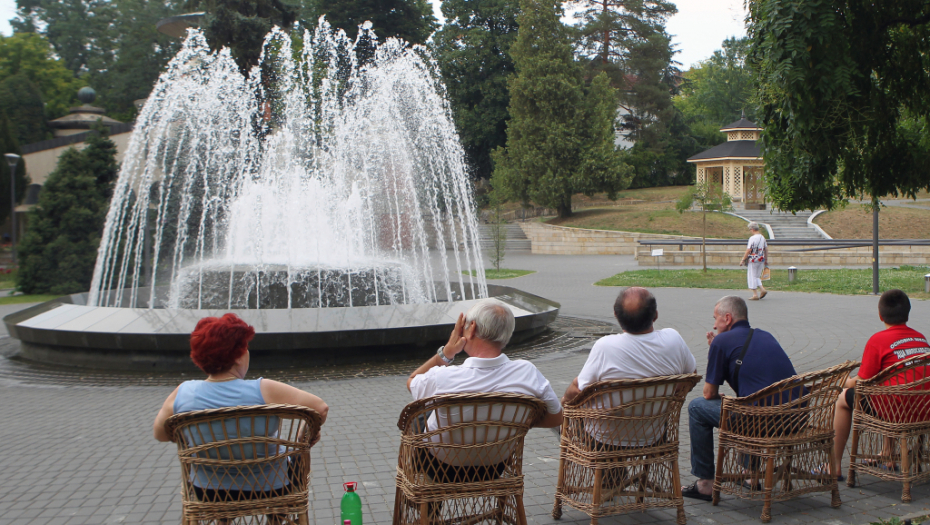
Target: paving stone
[(87, 453)]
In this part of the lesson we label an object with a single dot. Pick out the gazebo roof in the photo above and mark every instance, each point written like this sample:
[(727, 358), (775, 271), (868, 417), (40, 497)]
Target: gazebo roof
[(741, 149), (742, 123)]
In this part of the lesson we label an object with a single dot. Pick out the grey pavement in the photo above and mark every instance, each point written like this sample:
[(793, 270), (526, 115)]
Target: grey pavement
[(82, 452)]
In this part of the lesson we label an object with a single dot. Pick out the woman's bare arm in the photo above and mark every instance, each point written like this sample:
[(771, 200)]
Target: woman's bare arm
[(166, 411), (276, 392)]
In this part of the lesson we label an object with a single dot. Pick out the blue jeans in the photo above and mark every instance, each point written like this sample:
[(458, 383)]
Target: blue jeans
[(703, 417)]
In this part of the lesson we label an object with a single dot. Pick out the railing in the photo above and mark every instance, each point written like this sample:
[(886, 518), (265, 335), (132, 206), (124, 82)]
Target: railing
[(818, 244)]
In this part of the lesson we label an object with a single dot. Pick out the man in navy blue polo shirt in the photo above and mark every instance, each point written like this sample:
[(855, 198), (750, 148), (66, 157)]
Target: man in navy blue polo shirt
[(764, 363)]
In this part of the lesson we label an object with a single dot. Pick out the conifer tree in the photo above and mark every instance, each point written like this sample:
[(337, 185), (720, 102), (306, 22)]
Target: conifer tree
[(59, 250), (560, 134)]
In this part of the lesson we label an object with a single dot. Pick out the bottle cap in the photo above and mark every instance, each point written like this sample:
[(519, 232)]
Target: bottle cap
[(350, 486)]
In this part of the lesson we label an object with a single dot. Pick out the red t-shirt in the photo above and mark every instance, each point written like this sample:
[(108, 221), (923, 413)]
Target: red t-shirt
[(886, 348)]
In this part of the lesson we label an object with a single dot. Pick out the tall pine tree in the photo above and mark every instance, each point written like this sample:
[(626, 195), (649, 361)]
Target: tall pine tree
[(560, 134), (59, 250), (473, 52)]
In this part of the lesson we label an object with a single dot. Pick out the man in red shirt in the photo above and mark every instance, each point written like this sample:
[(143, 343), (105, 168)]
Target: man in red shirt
[(896, 342)]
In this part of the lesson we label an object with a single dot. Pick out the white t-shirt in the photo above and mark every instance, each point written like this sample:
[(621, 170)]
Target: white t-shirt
[(628, 356), (498, 374), (757, 246)]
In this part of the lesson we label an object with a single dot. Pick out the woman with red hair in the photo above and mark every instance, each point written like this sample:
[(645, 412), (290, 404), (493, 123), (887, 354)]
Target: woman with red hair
[(220, 347)]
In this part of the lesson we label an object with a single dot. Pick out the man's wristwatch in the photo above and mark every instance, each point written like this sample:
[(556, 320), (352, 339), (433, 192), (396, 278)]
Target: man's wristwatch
[(442, 355)]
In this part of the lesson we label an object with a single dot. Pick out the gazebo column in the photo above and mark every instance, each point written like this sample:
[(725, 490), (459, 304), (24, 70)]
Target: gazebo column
[(737, 193)]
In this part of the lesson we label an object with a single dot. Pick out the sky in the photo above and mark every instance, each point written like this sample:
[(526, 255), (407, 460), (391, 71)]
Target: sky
[(697, 30)]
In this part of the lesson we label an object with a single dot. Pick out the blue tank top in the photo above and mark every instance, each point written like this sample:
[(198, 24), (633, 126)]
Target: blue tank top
[(202, 395)]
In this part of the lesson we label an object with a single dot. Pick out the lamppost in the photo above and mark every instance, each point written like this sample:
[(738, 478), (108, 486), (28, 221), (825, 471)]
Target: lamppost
[(13, 159)]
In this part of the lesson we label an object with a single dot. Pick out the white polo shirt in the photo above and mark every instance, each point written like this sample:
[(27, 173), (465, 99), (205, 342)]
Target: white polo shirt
[(478, 374)]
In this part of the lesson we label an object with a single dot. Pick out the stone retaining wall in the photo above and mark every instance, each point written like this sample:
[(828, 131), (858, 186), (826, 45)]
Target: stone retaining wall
[(560, 240)]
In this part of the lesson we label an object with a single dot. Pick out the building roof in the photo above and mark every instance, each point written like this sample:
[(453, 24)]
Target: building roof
[(741, 149), (742, 123), (58, 142)]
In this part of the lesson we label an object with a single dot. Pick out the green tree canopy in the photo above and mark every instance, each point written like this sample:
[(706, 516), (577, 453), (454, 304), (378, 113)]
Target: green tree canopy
[(58, 252), (31, 56), (844, 95), (21, 102), (560, 134), (717, 91), (9, 144), (410, 20), (472, 50)]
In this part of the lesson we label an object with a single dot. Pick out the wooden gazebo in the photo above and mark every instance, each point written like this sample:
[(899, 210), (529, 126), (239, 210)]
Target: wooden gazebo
[(735, 165)]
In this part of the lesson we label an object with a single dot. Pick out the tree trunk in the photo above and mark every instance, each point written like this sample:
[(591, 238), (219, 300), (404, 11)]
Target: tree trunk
[(565, 210), (704, 239), (875, 205)]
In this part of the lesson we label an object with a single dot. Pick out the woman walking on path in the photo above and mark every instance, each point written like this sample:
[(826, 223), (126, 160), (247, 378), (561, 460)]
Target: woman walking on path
[(755, 259)]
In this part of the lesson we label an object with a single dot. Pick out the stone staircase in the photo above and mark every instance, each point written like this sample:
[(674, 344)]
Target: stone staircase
[(516, 239), (784, 225)]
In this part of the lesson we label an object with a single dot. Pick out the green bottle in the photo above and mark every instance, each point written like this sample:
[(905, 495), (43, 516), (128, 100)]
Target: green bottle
[(351, 504)]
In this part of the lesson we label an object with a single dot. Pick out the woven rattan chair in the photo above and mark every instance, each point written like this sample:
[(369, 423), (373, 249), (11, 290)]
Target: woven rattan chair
[(775, 443), (245, 465), (619, 447), (891, 425), (469, 470)]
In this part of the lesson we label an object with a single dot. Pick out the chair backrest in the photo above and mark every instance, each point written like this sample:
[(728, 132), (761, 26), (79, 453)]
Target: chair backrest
[(901, 392), (473, 429), (628, 412), (245, 448), (798, 406)]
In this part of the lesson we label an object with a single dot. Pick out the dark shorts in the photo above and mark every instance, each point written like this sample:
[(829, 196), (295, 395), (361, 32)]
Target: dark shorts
[(441, 472), (851, 400), (224, 495)]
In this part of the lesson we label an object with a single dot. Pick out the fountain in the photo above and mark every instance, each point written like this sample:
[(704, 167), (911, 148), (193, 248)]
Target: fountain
[(324, 199)]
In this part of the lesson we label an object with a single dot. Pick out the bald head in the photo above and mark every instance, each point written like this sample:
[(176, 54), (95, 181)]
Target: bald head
[(635, 310)]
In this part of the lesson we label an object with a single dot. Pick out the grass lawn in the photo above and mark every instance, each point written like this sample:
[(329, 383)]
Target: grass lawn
[(893, 223), (656, 219), (503, 273), (840, 281), (20, 299)]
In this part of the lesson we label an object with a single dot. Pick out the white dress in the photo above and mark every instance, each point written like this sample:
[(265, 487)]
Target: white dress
[(756, 262)]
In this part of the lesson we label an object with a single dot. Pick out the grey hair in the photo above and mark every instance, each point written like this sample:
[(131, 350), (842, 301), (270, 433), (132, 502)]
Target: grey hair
[(754, 226), (734, 306), (493, 319)]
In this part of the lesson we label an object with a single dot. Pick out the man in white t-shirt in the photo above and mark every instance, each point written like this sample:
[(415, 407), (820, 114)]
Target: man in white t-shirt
[(639, 352), (482, 334)]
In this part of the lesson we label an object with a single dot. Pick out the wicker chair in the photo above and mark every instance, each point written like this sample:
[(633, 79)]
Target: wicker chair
[(891, 425), (469, 470), (226, 453), (619, 447), (775, 443)]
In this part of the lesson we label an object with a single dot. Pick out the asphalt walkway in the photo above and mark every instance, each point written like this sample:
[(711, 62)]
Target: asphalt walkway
[(80, 449)]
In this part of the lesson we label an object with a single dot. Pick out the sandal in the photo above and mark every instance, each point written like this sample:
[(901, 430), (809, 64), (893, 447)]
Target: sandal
[(763, 295), (822, 470), (753, 298), (691, 491), (747, 485)]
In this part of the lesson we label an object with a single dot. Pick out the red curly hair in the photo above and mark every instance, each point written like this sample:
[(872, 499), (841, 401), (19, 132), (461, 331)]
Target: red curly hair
[(216, 343)]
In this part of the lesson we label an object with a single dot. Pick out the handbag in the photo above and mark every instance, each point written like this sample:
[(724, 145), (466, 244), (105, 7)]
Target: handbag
[(766, 274)]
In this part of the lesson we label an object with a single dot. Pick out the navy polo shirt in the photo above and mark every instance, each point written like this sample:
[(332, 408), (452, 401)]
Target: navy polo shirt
[(765, 362)]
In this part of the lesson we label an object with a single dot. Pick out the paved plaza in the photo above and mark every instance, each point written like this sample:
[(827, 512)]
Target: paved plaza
[(79, 447)]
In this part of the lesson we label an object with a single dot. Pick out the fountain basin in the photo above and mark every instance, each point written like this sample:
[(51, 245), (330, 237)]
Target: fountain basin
[(66, 331)]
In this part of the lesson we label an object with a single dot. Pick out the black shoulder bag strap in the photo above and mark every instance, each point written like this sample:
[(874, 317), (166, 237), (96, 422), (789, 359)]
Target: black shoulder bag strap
[(739, 362)]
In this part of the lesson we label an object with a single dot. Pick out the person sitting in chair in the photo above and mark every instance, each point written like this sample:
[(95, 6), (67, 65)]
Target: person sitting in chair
[(219, 347), (482, 334), (748, 360), (896, 342)]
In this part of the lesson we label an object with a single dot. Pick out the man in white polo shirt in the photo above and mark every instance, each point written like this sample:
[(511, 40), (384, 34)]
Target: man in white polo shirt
[(483, 333)]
